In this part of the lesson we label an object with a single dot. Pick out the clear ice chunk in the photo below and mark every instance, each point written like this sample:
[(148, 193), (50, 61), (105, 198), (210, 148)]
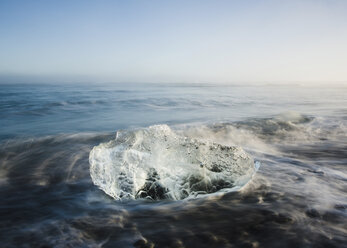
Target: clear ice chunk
[(156, 163)]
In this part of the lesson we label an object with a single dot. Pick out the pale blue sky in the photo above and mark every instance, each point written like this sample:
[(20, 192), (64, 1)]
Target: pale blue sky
[(173, 41)]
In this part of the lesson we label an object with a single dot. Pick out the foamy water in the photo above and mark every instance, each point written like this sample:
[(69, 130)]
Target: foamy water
[(173, 166)]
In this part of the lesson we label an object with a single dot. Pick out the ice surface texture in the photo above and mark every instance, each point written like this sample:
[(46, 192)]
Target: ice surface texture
[(156, 163)]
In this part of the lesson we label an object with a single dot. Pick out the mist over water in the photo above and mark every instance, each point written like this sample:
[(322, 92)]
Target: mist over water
[(297, 198)]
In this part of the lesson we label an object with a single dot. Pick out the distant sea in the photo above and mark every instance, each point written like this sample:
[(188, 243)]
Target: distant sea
[(165, 171)]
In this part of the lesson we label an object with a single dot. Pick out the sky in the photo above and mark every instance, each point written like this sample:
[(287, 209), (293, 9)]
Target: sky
[(173, 41)]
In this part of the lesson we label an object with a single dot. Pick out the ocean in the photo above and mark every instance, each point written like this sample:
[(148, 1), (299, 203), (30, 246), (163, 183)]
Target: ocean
[(173, 165)]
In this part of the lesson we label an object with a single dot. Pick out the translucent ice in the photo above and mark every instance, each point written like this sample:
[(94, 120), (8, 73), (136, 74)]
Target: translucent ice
[(156, 163)]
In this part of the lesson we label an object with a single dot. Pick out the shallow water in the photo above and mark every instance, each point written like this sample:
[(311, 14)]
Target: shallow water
[(297, 198)]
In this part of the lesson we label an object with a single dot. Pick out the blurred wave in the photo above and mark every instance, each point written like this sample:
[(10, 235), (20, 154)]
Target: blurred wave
[(297, 198), (48, 198)]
